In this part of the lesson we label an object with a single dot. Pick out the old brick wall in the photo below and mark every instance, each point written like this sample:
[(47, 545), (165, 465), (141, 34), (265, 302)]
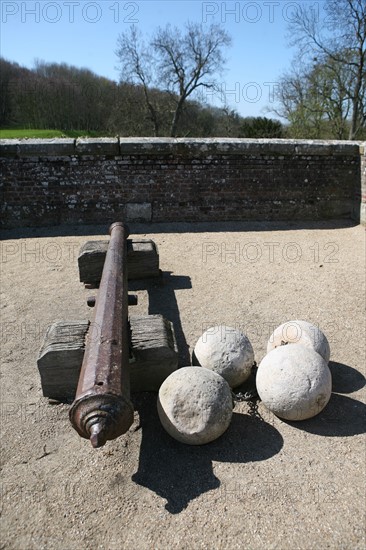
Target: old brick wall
[(51, 182)]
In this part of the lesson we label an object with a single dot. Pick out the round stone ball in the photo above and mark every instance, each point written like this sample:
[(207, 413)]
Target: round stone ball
[(226, 351), (294, 382), (300, 332), (195, 405)]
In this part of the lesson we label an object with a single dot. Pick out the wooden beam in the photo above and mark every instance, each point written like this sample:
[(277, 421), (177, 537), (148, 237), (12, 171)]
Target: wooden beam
[(142, 260), (153, 355)]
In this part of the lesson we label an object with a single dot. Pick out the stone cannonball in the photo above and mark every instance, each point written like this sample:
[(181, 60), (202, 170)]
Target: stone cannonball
[(195, 405), (300, 332), (294, 382), (226, 351)]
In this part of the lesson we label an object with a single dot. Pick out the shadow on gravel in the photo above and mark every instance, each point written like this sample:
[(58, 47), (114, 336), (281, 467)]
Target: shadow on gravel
[(180, 473), (345, 379), (55, 231), (173, 227), (342, 417)]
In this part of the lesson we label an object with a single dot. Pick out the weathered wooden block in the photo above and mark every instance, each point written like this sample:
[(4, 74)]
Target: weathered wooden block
[(154, 352), (60, 358), (154, 355), (142, 260)]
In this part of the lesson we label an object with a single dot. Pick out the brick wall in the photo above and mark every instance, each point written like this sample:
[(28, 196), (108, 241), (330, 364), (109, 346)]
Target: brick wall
[(51, 182)]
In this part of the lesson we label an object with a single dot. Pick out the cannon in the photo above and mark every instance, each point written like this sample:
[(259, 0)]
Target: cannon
[(102, 409), (79, 361)]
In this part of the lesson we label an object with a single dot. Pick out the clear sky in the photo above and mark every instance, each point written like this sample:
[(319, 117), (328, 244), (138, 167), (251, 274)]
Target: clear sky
[(84, 33)]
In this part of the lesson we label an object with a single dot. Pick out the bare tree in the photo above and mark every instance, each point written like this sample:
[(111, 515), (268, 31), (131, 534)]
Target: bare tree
[(136, 66), (176, 62), (337, 41)]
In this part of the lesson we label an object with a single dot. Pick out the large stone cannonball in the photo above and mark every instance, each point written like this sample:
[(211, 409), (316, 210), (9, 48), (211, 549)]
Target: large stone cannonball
[(300, 332), (294, 382), (226, 351), (195, 405)]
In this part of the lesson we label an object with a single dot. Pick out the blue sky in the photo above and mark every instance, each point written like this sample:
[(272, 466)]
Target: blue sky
[(84, 33)]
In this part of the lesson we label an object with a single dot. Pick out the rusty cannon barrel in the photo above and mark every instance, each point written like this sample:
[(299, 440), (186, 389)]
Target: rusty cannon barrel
[(102, 409)]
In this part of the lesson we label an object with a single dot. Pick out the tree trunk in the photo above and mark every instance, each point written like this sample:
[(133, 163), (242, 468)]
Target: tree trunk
[(152, 111), (353, 127), (355, 98), (176, 116)]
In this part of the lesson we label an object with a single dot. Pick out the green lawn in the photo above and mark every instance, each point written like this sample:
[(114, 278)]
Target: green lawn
[(18, 133)]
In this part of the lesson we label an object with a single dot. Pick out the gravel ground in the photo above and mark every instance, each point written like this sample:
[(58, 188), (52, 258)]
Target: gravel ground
[(265, 483)]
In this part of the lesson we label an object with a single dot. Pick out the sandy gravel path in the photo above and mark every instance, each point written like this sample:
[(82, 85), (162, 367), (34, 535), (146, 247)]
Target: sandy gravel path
[(265, 483)]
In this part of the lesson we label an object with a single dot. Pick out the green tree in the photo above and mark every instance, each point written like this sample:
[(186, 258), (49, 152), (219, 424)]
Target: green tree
[(260, 127), (315, 101), (337, 42)]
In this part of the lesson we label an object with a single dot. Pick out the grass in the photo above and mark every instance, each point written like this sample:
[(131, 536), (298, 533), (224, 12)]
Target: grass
[(21, 133)]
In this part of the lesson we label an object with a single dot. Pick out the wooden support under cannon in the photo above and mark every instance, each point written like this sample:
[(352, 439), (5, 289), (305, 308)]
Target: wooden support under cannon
[(153, 355), (142, 260)]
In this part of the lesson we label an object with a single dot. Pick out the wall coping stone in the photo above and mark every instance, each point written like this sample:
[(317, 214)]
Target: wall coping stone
[(97, 146), (37, 147), (235, 146), (190, 147)]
